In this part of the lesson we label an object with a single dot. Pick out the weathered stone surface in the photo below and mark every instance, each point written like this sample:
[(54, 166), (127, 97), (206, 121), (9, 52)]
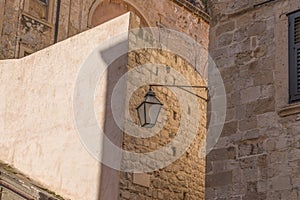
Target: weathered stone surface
[(251, 147), (250, 94), (225, 40), (227, 27), (257, 87), (77, 16), (141, 179), (248, 124), (248, 42), (218, 180), (30, 25), (223, 154), (281, 183), (185, 178), (230, 128)]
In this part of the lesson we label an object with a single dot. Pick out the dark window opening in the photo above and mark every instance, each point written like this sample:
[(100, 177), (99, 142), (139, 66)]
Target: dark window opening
[(44, 1), (294, 57)]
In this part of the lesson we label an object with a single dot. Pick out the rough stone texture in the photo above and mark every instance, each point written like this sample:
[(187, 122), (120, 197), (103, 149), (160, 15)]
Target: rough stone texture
[(25, 24), (26, 28), (165, 13), (257, 154), (29, 27), (47, 77), (9, 25), (185, 178)]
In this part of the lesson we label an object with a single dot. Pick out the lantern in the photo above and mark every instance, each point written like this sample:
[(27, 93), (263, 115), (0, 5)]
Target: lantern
[(149, 109)]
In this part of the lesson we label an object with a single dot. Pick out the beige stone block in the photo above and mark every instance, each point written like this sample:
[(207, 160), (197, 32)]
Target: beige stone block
[(226, 27), (225, 39), (267, 120), (281, 183), (141, 179), (219, 179), (250, 94)]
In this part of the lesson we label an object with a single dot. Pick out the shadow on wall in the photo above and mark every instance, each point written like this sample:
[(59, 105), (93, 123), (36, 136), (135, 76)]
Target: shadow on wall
[(110, 178)]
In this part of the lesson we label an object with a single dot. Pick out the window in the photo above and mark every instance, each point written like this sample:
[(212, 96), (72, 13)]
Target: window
[(294, 56), (40, 9), (44, 1)]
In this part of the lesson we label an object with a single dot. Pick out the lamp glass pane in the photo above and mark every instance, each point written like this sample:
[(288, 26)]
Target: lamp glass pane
[(141, 113), (152, 99), (152, 112)]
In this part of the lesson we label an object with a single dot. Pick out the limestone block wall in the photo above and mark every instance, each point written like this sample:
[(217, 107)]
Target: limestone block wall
[(185, 177), (77, 16), (23, 30), (8, 26), (38, 134), (156, 178), (171, 14), (257, 156), (26, 26)]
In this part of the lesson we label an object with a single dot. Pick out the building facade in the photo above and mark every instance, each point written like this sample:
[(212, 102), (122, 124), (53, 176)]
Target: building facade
[(31, 25), (54, 153), (253, 43), (257, 155)]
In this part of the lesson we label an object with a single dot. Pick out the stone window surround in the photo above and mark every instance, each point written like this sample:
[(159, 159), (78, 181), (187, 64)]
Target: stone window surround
[(46, 23), (44, 1), (292, 109), (50, 10), (2, 3), (24, 50), (293, 49), (284, 108)]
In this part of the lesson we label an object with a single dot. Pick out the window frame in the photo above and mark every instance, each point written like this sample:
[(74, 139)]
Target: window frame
[(49, 10), (294, 66), (45, 2)]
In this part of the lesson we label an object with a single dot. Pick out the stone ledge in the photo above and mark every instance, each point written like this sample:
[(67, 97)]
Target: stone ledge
[(288, 110), (44, 22), (18, 185)]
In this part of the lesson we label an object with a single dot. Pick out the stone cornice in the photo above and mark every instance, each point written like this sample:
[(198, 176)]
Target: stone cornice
[(44, 22), (19, 185)]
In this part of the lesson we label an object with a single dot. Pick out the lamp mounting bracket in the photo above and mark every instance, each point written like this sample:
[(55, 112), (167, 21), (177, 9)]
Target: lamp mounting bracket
[(183, 87)]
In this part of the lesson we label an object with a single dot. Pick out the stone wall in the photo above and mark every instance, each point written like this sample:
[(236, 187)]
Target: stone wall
[(30, 28), (37, 113), (177, 15), (185, 177), (257, 156), (153, 57), (150, 61), (9, 19), (26, 28)]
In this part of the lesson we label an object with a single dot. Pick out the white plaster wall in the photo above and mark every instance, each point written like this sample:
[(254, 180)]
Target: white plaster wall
[(37, 130)]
